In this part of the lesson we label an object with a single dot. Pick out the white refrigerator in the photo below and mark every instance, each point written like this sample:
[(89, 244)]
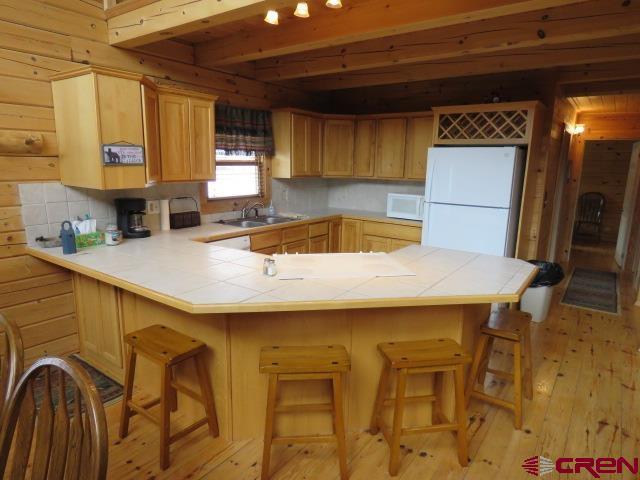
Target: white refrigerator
[(472, 198)]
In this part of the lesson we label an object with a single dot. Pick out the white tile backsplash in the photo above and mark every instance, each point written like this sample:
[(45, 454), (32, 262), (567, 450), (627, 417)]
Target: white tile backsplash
[(35, 231), (76, 194), (55, 192), (35, 214), (57, 211), (79, 209), (31, 193)]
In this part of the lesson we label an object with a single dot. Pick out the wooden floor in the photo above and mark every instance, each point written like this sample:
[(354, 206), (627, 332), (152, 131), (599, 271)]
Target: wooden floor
[(586, 403)]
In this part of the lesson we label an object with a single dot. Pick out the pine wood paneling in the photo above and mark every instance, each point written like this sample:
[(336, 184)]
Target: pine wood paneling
[(29, 168)]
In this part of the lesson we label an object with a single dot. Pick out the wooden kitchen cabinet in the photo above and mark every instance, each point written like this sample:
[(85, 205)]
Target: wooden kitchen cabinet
[(397, 244), (335, 237), (187, 135), (301, 246), (351, 235), (372, 243), (319, 244), (419, 140), (364, 153), (298, 142), (96, 106), (99, 325), (390, 147), (337, 157)]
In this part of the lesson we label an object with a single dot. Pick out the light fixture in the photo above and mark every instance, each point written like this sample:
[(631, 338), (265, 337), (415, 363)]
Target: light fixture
[(578, 129), (271, 17), (334, 3), (302, 10)]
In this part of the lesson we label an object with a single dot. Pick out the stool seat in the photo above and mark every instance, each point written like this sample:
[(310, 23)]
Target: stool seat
[(163, 344), (314, 359), (507, 324), (424, 353)]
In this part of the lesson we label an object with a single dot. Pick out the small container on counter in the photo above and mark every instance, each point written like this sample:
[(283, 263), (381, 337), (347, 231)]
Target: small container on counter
[(269, 267), (68, 238), (112, 236)]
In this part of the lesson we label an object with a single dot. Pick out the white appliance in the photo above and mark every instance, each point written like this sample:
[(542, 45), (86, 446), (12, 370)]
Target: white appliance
[(472, 198), (400, 205)]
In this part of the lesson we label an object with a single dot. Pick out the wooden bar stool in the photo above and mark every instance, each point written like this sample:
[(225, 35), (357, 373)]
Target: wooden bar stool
[(328, 362), (167, 348), (416, 357), (512, 326)]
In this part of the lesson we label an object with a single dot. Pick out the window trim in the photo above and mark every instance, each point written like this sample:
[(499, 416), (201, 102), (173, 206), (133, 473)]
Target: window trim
[(258, 162)]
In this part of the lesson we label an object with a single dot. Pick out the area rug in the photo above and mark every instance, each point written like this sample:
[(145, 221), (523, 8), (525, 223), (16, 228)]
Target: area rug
[(593, 289), (110, 391)]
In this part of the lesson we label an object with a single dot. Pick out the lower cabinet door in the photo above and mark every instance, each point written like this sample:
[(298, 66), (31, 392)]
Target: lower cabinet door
[(351, 236), (335, 240), (371, 243), (319, 244), (99, 322), (269, 250), (398, 244), (301, 246)]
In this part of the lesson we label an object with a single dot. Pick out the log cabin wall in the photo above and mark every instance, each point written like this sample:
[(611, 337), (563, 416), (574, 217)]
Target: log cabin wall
[(605, 170), (39, 38)]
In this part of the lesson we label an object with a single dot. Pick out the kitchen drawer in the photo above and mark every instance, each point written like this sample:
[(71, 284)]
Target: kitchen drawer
[(293, 234), (269, 250), (391, 230), (371, 243), (301, 246), (317, 229), (319, 244), (260, 241)]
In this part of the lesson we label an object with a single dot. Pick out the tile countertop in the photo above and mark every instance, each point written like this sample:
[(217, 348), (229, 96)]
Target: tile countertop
[(203, 278)]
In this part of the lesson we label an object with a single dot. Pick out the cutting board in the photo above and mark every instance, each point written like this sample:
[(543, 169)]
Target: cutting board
[(339, 265)]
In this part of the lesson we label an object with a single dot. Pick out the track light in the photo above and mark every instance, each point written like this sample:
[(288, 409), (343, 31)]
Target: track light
[(334, 3), (302, 10), (271, 17)]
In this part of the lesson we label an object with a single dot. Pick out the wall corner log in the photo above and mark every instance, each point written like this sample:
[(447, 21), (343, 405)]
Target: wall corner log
[(16, 142)]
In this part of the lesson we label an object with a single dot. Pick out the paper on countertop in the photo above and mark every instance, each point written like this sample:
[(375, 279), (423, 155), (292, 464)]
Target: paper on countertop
[(84, 226), (339, 265)]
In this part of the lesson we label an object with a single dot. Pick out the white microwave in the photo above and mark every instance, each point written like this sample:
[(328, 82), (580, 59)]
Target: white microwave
[(400, 205)]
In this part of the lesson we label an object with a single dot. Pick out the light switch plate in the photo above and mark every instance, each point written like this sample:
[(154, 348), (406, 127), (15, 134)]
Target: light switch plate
[(153, 207)]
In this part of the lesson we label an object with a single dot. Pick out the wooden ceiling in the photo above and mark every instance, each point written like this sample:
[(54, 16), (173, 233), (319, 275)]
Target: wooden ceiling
[(371, 43)]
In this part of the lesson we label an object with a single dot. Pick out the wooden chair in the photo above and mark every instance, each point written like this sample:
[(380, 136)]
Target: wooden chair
[(590, 210), (167, 348), (12, 363), (67, 444), (437, 356), (514, 327), (310, 363)]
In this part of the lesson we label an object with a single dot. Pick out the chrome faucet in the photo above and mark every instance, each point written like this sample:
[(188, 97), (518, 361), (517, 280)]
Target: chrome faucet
[(247, 208)]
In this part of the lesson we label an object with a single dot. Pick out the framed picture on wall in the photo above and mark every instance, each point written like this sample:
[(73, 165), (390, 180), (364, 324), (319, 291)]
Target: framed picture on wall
[(122, 155)]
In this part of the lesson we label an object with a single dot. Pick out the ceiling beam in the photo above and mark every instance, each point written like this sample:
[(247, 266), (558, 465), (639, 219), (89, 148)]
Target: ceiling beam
[(597, 72), (163, 19), (620, 48), (605, 87), (595, 19), (358, 21)]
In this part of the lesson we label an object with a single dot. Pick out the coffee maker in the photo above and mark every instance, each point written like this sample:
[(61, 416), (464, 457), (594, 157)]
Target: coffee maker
[(130, 214)]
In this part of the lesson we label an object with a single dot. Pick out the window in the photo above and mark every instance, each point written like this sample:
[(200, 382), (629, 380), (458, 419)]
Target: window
[(236, 176)]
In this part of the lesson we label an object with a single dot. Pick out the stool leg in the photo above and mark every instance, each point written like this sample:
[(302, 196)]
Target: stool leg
[(268, 425), (436, 406), (129, 373), (461, 416), (338, 425), (394, 447), (517, 385), (174, 393), (165, 416), (382, 391), (478, 357), (485, 361), (207, 395), (528, 364)]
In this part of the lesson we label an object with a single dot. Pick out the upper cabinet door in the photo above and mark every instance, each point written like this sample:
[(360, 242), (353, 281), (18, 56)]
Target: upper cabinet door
[(390, 146), (298, 145), (337, 158), (151, 127), (314, 147), (419, 140), (365, 148), (174, 132), (202, 139)]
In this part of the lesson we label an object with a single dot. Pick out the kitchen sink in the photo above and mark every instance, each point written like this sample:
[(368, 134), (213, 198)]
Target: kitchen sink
[(258, 221)]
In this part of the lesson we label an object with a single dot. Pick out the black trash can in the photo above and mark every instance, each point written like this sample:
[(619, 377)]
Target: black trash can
[(536, 299)]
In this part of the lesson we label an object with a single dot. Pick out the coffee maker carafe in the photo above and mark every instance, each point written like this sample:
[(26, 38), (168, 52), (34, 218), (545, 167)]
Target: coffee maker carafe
[(131, 212)]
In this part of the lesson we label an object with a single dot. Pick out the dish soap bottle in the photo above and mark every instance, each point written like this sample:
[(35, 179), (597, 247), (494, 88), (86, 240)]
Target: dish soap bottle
[(272, 209)]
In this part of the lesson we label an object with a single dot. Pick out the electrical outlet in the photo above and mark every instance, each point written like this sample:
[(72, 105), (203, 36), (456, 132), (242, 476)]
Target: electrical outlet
[(153, 207)]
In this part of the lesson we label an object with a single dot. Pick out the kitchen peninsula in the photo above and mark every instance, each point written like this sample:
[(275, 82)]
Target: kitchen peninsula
[(220, 296)]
